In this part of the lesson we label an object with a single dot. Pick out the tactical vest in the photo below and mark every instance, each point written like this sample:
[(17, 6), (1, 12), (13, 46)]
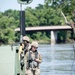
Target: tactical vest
[(30, 60)]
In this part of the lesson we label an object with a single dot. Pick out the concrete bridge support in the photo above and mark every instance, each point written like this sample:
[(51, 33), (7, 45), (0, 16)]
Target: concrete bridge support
[(53, 37)]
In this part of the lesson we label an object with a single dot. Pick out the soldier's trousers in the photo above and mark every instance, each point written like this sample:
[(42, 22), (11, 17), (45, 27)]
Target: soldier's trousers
[(33, 72)]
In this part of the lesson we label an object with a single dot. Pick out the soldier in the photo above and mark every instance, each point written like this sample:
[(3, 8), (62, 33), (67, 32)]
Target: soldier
[(24, 47), (33, 59)]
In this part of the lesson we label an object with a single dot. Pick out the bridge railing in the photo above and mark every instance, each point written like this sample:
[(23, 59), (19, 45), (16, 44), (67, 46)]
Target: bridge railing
[(17, 69), (17, 62)]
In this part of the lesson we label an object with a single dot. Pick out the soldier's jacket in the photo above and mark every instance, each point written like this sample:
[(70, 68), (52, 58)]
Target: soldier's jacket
[(30, 56), (22, 50)]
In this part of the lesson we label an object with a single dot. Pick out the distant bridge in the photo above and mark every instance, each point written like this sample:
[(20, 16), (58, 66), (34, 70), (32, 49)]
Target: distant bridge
[(53, 30), (46, 28)]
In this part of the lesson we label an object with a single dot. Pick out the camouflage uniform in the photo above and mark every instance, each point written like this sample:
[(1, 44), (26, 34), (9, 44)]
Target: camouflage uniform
[(32, 66), (24, 47)]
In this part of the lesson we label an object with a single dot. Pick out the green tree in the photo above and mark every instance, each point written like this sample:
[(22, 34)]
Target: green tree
[(6, 29), (43, 15), (31, 19), (67, 6)]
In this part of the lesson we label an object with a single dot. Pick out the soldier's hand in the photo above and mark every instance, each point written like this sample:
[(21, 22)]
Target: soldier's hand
[(37, 60)]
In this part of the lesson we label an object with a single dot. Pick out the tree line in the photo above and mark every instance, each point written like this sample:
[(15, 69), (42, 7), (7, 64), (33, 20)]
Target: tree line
[(47, 14)]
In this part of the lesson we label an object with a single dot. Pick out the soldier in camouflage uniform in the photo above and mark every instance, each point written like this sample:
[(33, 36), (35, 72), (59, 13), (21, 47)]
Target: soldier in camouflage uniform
[(24, 47), (33, 59)]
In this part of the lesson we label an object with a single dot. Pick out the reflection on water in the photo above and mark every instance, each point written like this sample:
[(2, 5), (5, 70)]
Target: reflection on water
[(57, 60)]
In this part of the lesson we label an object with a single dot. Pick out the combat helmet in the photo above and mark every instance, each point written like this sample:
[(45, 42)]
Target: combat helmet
[(26, 38), (35, 44)]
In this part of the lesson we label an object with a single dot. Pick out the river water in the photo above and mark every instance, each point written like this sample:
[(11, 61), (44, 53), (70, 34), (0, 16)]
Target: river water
[(57, 59)]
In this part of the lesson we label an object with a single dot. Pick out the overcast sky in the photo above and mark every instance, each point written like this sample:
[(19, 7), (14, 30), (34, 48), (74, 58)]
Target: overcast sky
[(13, 4)]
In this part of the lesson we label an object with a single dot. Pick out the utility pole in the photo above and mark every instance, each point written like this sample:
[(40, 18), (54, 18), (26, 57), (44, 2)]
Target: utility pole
[(22, 18), (22, 23)]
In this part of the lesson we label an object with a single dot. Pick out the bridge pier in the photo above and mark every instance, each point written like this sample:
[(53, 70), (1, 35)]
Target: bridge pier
[(53, 37)]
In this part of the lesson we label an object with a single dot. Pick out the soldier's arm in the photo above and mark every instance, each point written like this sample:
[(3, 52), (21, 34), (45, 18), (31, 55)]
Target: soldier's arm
[(39, 60), (25, 60), (20, 50)]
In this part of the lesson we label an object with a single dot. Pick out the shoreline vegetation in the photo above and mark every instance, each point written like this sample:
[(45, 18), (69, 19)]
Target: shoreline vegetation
[(48, 14), (40, 42)]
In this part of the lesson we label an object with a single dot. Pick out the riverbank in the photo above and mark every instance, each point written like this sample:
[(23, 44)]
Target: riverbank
[(42, 42)]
